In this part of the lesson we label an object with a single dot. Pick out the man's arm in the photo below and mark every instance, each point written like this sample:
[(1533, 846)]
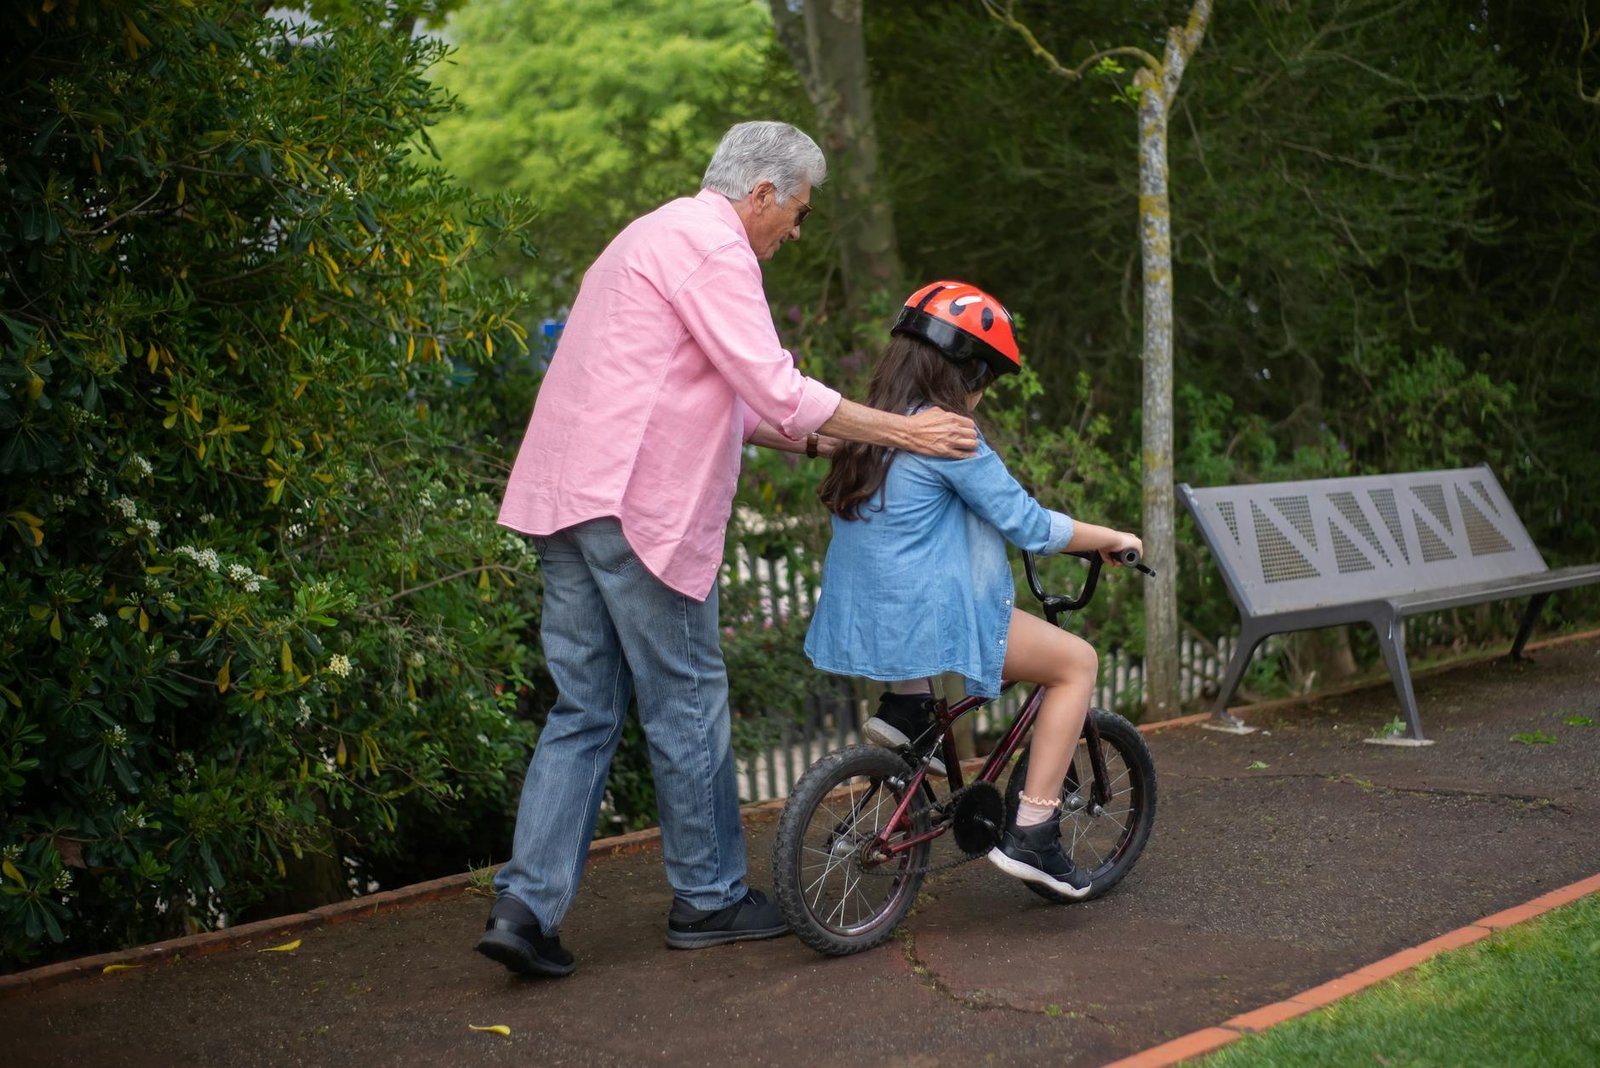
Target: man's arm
[(931, 432), (767, 437), (934, 432)]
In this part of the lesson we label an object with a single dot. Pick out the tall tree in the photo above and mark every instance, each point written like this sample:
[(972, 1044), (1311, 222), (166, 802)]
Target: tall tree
[(1156, 83), (824, 40)]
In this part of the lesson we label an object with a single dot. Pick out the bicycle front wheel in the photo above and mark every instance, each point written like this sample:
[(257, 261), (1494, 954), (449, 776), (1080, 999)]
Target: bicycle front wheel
[(1104, 841), (839, 893)]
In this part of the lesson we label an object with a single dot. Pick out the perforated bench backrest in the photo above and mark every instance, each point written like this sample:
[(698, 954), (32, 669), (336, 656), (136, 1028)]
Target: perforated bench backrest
[(1286, 546)]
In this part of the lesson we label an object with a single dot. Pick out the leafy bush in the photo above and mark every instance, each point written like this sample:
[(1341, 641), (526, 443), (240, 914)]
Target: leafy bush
[(255, 613)]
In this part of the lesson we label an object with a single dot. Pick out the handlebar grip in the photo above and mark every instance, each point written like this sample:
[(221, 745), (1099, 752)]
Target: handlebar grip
[(1131, 558)]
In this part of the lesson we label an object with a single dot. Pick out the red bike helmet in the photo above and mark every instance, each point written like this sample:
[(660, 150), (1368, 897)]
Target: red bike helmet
[(964, 323)]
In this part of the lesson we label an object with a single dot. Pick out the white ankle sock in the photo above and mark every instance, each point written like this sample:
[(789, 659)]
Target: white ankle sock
[(1031, 815)]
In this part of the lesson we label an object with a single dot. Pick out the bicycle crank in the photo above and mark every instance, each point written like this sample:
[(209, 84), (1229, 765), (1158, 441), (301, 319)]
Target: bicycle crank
[(979, 819)]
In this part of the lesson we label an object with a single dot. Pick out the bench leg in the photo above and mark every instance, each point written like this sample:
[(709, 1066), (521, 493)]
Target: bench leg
[(1525, 628), (1249, 638), (1392, 640)]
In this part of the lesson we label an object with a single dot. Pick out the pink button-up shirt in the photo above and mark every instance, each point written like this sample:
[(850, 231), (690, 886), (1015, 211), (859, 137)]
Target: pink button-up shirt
[(668, 362)]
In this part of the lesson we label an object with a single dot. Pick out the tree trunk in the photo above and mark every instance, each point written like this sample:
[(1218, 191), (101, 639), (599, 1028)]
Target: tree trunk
[(1161, 590), (824, 41), (1158, 89)]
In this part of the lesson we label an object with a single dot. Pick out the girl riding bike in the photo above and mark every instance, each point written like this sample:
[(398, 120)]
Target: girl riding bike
[(916, 581)]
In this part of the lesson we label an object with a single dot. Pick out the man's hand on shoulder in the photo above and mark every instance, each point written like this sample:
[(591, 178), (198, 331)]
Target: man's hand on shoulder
[(946, 435)]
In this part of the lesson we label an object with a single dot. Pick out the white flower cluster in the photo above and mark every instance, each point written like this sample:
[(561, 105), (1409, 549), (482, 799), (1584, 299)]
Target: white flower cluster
[(98, 620), (206, 517), (140, 464), (295, 530), (245, 577), (206, 558), (305, 712), (63, 879), (340, 665), (126, 506)]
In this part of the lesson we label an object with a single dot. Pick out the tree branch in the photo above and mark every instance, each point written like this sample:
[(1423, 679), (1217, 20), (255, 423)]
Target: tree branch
[(1005, 16), (1591, 39)]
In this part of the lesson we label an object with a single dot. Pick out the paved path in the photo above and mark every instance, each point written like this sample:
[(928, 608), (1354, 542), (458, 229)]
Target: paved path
[(1257, 883)]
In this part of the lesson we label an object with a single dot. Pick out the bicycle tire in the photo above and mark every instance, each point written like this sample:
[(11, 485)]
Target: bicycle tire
[(1106, 844), (815, 851)]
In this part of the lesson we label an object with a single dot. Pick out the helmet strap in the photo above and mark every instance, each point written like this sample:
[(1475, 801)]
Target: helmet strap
[(975, 374)]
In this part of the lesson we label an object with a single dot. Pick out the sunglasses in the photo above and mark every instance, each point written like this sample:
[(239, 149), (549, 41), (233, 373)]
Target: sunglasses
[(805, 208)]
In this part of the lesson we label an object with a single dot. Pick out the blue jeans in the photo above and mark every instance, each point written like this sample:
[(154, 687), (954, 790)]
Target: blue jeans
[(611, 628)]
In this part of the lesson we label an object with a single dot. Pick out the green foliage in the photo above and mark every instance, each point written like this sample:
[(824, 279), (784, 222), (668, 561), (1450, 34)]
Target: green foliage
[(1534, 738), (255, 613), (596, 110)]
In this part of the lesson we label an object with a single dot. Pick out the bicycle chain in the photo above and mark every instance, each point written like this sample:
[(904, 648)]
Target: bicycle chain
[(927, 869)]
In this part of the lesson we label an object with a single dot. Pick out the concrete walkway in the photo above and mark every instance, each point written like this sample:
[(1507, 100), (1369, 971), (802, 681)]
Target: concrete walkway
[(1259, 882)]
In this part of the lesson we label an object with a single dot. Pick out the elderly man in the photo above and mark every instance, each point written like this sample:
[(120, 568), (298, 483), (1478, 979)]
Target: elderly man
[(669, 363)]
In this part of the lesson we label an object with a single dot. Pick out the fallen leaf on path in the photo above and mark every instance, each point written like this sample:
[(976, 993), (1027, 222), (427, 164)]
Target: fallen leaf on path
[(287, 947), (499, 1029), (109, 968)]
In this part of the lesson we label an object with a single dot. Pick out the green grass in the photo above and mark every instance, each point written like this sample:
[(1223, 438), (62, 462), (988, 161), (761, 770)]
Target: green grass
[(1529, 995)]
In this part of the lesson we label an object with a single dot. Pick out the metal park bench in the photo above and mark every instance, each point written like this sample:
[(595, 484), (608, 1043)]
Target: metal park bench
[(1373, 549)]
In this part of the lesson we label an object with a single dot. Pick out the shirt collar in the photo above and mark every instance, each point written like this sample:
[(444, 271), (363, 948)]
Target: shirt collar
[(724, 209)]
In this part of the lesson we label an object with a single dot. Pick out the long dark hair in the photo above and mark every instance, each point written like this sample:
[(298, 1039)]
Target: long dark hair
[(910, 374)]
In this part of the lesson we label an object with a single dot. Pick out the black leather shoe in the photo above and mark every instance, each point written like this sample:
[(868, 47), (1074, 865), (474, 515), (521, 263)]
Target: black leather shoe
[(749, 918), (1034, 855), (514, 938)]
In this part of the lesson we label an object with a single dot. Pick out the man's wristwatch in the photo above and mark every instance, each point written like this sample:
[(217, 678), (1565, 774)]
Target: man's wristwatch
[(811, 445)]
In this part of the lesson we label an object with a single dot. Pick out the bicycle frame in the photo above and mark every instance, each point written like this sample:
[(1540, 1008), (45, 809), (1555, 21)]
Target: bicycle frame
[(1001, 755), (993, 765)]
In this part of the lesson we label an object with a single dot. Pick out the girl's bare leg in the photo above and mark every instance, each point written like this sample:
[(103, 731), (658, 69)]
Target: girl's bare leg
[(1066, 666)]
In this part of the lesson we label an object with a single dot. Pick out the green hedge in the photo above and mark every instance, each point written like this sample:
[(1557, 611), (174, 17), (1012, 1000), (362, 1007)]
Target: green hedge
[(256, 619)]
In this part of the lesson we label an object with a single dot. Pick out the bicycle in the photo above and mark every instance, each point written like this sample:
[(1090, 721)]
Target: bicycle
[(854, 838)]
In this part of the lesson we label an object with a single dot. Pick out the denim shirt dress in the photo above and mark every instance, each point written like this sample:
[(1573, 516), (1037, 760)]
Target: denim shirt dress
[(919, 584)]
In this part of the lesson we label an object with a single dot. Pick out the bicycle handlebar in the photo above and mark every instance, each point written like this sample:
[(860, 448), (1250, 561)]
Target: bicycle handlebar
[(1055, 603)]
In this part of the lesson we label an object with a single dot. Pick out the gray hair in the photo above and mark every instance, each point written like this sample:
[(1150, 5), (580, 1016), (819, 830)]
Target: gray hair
[(775, 152)]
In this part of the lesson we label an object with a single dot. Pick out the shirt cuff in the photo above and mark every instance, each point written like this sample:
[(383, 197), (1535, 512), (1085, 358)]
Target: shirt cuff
[(1060, 532), (817, 405)]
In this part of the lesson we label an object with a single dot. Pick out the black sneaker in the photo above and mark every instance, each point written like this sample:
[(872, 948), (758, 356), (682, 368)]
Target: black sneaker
[(1034, 855), (749, 918), (514, 938), (903, 719)]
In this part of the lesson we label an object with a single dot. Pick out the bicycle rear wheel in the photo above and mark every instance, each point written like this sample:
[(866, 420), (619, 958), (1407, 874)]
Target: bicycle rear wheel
[(1104, 841), (838, 898)]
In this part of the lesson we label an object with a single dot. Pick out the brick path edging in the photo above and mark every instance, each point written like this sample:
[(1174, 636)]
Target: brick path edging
[(1209, 1039), (453, 885)]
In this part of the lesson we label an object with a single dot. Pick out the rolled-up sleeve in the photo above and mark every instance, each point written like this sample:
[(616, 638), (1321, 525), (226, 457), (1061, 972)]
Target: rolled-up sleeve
[(985, 486), (724, 307)]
